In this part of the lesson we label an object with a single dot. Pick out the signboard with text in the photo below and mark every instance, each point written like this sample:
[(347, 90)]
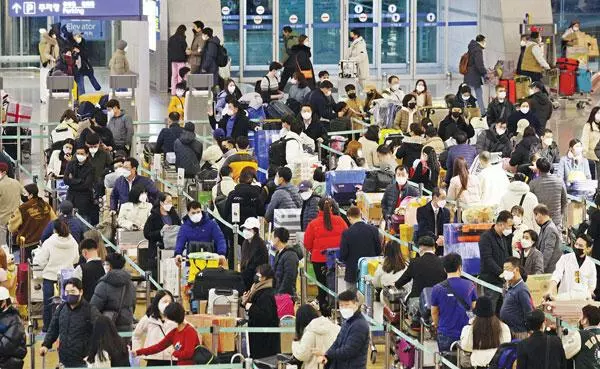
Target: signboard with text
[(92, 30), (115, 9)]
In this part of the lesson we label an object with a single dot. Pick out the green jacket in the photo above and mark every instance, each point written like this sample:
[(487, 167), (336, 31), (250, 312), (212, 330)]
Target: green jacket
[(590, 349), (288, 42)]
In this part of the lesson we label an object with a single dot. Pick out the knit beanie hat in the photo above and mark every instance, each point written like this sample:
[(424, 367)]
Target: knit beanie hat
[(121, 44)]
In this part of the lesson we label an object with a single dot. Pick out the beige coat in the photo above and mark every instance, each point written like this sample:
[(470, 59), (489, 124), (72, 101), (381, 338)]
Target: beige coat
[(402, 120), (118, 63), (195, 57), (589, 139), (436, 143), (10, 198), (369, 149), (48, 48), (358, 52)]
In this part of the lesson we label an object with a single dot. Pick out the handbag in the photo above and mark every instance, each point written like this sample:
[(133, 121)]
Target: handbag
[(113, 315), (308, 74), (169, 235)]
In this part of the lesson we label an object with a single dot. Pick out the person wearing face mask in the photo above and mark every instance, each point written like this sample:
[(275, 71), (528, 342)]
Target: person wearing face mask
[(495, 139), (353, 157), (492, 180), (119, 64), (58, 252), (423, 95), (49, 54), (10, 195), (285, 266), (152, 328), (13, 348), (394, 91), (574, 167), (321, 102), (532, 259), (286, 196), (524, 112), (188, 151), (549, 148), (534, 62), (455, 121), (575, 273), (432, 216), (254, 251), (79, 176), (121, 126), (298, 93), (59, 159), (518, 228), (358, 53), (518, 194), (269, 84), (500, 107), (355, 104), (71, 324), (494, 250), (312, 128), (162, 215), (134, 213), (464, 97), (198, 226), (177, 103), (234, 120), (91, 270), (128, 179), (100, 160), (290, 38), (248, 194), (585, 343), (299, 61), (261, 307), (408, 114), (550, 240), (590, 138), (476, 71), (540, 104), (195, 50), (65, 213), (570, 36), (411, 148), (230, 93), (396, 192), (310, 205), (517, 301)]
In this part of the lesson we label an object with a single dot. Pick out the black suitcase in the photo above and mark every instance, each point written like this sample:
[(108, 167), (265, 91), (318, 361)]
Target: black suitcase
[(216, 278), (271, 362), (277, 110)]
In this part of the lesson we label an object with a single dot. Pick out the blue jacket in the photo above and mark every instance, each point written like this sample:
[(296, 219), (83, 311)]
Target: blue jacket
[(349, 351), (206, 230), (166, 138), (76, 228), (120, 192)]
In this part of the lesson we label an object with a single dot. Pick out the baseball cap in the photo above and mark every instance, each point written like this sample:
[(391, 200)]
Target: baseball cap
[(537, 84), (305, 186), (251, 223)]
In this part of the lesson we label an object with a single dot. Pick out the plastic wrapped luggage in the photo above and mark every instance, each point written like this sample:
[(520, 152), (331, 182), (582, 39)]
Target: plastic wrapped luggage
[(370, 205), (277, 110), (342, 184), (216, 278), (348, 69), (522, 86), (223, 301), (390, 315), (199, 261), (262, 141)]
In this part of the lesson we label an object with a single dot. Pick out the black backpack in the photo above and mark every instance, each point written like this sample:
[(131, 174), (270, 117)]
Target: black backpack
[(203, 356), (377, 180), (222, 56), (277, 152)]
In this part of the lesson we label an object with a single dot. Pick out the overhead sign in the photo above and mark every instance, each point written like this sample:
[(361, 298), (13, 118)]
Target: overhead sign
[(395, 17), (293, 19), (225, 10), (430, 17), (92, 30), (363, 17), (392, 8), (325, 17), (115, 9), (358, 9)]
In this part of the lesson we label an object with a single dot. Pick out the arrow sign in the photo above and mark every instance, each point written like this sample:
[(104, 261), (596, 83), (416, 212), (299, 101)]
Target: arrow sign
[(16, 8)]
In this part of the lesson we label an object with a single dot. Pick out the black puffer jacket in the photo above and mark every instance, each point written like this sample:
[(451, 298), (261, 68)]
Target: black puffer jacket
[(176, 49), (490, 141), (476, 69), (74, 328), (541, 106), (251, 199), (12, 339), (499, 111), (152, 228), (188, 152), (107, 296), (286, 271)]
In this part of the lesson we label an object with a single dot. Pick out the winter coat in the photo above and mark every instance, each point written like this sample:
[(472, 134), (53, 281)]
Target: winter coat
[(286, 271), (316, 130), (498, 111), (475, 69), (10, 197), (101, 161), (195, 58), (263, 313), (512, 197), (206, 230), (402, 120), (551, 153), (494, 250), (288, 43), (107, 297), (67, 65), (515, 117), (80, 179), (468, 152), (238, 161), (56, 253), (369, 149), (300, 60), (76, 228), (410, 150), (258, 258), (590, 137), (359, 240), (358, 52), (152, 228), (449, 126), (550, 191), (568, 165), (321, 105), (471, 102), (549, 243), (390, 197), (251, 200), (188, 152), (523, 151), (122, 129), (437, 144), (73, 326), (424, 98), (48, 48), (177, 105), (425, 175), (299, 94), (490, 141), (349, 350), (12, 339), (317, 238), (310, 210), (492, 184), (166, 138), (470, 196), (30, 219), (120, 192), (318, 335), (541, 106), (534, 263), (119, 64), (150, 331), (241, 126), (209, 58), (133, 216), (285, 197), (176, 49)]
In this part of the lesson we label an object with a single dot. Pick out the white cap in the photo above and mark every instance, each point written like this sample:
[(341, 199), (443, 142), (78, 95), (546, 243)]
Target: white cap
[(251, 222), (4, 294)]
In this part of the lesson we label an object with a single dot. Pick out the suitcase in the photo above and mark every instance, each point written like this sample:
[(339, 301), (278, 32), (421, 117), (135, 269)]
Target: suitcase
[(363, 270), (405, 353), (223, 301), (391, 316), (342, 184), (584, 81), (392, 295), (216, 278), (277, 110), (285, 305), (568, 64), (522, 86), (511, 90), (567, 82), (200, 261), (271, 362)]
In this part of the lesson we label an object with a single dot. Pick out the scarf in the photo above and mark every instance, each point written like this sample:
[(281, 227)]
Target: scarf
[(255, 288)]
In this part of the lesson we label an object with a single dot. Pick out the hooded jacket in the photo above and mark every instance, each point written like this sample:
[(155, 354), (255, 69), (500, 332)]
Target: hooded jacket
[(523, 151), (358, 53), (148, 332), (56, 253), (515, 117), (188, 152), (122, 129), (206, 230), (107, 297), (449, 126), (490, 141), (12, 339), (285, 197), (176, 48), (541, 106), (209, 56), (48, 48), (286, 271), (119, 64), (299, 59), (318, 335), (475, 69), (167, 136), (318, 238), (513, 195)]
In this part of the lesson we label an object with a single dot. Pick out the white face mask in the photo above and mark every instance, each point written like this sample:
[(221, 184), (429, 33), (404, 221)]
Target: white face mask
[(167, 207), (547, 141), (93, 150), (466, 97), (305, 195), (502, 95), (575, 29), (578, 150), (526, 243), (523, 43), (441, 203), (347, 313), (179, 93), (401, 180), (507, 232), (597, 117), (226, 111), (196, 218), (328, 93), (500, 131), (524, 110), (517, 220), (231, 89), (162, 305), (205, 37), (67, 150), (531, 91), (248, 234), (81, 158), (306, 115), (293, 81), (143, 197), (106, 268), (110, 114), (395, 86), (508, 275), (420, 88), (125, 172)]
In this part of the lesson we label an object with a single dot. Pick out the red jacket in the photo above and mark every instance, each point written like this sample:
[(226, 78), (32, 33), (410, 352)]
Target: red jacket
[(317, 238), (187, 340)]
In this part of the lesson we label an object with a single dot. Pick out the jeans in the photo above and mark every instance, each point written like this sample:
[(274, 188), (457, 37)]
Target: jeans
[(79, 78), (444, 342), (479, 95), (48, 293)]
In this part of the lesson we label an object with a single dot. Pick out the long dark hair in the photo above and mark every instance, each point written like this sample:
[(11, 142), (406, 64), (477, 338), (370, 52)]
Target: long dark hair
[(305, 314), (105, 338), (432, 162), (591, 119), (152, 311), (486, 333), (460, 170), (250, 248), (326, 205), (302, 82), (393, 261), (181, 29), (372, 133)]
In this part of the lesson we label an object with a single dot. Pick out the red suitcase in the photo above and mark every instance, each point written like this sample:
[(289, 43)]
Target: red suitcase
[(22, 293), (567, 64), (567, 82), (390, 316), (511, 89)]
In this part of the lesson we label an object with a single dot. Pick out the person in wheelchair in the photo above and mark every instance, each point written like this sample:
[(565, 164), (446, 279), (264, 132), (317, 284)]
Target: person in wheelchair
[(135, 212)]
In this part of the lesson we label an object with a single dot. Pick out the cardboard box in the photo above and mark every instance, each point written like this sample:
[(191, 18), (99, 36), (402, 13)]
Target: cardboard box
[(370, 205), (592, 45), (287, 338), (538, 286), (226, 340)]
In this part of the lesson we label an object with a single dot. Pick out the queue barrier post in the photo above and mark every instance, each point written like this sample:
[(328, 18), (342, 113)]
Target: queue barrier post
[(236, 247), (387, 338), (214, 331), (303, 294), (420, 189), (248, 363), (54, 193), (437, 360), (148, 275)]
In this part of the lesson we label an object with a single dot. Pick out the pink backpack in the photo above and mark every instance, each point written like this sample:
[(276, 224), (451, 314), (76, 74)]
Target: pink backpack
[(406, 353), (285, 305)]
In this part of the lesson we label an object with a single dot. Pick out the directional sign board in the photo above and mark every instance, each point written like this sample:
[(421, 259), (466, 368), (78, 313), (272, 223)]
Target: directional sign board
[(115, 9)]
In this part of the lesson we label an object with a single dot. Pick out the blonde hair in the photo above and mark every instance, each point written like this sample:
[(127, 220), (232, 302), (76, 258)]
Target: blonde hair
[(352, 148)]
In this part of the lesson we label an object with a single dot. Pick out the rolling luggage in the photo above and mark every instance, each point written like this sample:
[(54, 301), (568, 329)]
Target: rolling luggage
[(216, 278), (200, 261), (567, 64), (277, 110), (22, 292), (390, 315), (363, 270), (223, 301), (522, 86), (272, 362), (405, 353), (584, 81), (511, 89), (567, 82), (342, 184)]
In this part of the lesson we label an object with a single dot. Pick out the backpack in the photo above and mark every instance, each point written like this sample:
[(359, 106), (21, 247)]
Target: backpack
[(377, 181), (222, 57), (203, 356), (277, 152), (505, 356), (464, 63)]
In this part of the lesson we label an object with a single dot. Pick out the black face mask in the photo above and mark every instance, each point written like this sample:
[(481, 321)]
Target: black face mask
[(412, 105), (456, 114), (256, 279), (578, 252), (24, 198), (352, 96), (370, 94)]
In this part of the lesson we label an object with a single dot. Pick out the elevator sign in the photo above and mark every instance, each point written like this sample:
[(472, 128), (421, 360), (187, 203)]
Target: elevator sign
[(118, 9)]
